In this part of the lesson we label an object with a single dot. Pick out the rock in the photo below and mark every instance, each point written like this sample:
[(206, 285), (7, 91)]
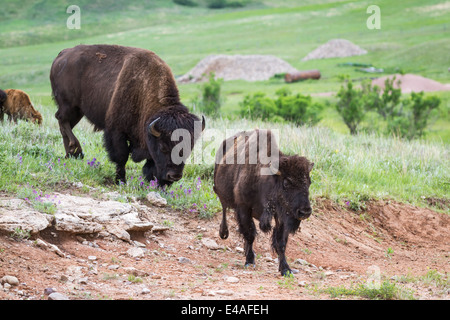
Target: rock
[(17, 213), (136, 252), (92, 258), (51, 247), (184, 260), (302, 262), (11, 280), (156, 199), (57, 296), (113, 267), (224, 292), (48, 291), (210, 243), (232, 280), (118, 232), (159, 229), (239, 249), (145, 291), (135, 272), (79, 215)]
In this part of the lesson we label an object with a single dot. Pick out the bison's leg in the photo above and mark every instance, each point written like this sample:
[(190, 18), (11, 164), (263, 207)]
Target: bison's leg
[(149, 170), (118, 150), (248, 230), (279, 241), (66, 122), (223, 231)]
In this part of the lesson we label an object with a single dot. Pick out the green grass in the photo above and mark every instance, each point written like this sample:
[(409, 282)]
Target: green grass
[(386, 291), (348, 168)]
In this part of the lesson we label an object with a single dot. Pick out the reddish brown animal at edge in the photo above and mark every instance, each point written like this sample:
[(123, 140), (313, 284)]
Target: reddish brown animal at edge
[(18, 106), (276, 189)]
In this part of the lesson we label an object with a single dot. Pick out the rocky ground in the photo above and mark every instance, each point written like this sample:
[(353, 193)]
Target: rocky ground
[(182, 257)]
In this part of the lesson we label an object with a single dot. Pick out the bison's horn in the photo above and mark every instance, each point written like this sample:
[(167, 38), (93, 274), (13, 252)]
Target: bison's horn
[(152, 130), (203, 123)]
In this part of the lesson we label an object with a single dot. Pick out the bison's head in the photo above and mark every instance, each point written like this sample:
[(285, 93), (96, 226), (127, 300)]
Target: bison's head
[(294, 180), (171, 138)]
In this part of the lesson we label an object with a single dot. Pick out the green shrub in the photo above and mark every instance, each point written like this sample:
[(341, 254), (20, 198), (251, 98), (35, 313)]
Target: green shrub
[(211, 101), (187, 3), (258, 106), (351, 106), (405, 118), (220, 4), (297, 108)]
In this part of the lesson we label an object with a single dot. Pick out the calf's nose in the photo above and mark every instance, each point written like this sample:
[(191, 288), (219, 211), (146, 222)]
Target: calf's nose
[(304, 213)]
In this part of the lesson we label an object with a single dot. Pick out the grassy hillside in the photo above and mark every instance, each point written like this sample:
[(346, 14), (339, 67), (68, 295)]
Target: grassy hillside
[(413, 38)]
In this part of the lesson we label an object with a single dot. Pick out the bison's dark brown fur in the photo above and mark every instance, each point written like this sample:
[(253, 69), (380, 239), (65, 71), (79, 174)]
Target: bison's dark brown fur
[(283, 195), (3, 97), (17, 105), (131, 95)]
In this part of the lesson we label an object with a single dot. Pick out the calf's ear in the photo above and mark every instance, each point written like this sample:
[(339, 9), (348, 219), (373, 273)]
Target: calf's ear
[(310, 166)]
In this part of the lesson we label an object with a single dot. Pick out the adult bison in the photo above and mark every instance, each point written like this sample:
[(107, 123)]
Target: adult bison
[(253, 177), (131, 95)]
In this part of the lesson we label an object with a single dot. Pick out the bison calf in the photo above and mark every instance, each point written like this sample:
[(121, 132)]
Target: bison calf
[(18, 106), (253, 177)]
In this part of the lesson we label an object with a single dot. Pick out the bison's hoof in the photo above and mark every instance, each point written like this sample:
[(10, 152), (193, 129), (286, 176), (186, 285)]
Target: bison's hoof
[(223, 232), (250, 265), (287, 273), (75, 155)]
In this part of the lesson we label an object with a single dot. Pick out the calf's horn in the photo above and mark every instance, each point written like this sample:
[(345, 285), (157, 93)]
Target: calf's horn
[(152, 130), (203, 123)]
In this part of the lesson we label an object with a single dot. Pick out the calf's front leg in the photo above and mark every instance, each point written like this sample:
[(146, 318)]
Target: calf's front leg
[(279, 242)]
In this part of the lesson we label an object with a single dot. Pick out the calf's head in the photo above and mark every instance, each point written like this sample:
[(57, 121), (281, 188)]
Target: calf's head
[(294, 181)]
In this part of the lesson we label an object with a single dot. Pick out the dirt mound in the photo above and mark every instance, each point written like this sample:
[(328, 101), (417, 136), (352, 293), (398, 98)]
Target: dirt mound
[(335, 247), (412, 83), (336, 48), (238, 67)]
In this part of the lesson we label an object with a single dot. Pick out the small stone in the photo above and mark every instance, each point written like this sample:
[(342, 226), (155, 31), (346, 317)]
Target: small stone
[(302, 283), (232, 280), (156, 199), (302, 262), (145, 291), (210, 243), (224, 292), (159, 229), (92, 258), (184, 260), (239, 249), (139, 244), (13, 281), (113, 267), (136, 252), (57, 296), (135, 272), (83, 280), (49, 291)]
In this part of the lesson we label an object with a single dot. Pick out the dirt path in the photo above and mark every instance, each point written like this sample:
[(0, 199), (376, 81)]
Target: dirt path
[(336, 248)]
